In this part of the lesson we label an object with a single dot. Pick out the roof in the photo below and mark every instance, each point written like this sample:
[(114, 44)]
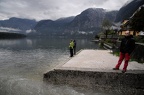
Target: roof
[(137, 19)]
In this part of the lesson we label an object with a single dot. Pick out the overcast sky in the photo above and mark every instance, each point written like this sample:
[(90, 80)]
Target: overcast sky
[(52, 9)]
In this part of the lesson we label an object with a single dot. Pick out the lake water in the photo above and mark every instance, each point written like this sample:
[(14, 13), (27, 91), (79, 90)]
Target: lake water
[(24, 61)]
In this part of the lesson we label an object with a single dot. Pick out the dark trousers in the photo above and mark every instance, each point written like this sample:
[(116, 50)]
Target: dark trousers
[(74, 50), (71, 52), (123, 56)]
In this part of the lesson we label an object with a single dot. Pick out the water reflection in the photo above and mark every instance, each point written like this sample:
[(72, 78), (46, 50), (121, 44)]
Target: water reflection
[(23, 63), (44, 43)]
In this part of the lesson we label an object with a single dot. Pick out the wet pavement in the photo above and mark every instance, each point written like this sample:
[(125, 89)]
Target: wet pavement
[(98, 60)]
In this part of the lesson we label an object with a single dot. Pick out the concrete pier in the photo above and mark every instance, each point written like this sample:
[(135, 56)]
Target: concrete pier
[(93, 69)]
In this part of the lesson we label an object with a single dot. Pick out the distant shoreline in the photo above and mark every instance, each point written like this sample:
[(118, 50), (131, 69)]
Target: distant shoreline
[(8, 35)]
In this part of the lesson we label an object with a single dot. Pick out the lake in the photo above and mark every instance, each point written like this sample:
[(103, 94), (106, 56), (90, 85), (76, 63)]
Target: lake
[(24, 61)]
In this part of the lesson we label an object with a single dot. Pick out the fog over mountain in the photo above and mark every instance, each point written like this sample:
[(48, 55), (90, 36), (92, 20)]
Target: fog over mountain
[(52, 9), (17, 25), (87, 22)]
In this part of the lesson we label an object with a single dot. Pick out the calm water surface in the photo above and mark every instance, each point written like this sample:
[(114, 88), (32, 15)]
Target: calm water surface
[(24, 61)]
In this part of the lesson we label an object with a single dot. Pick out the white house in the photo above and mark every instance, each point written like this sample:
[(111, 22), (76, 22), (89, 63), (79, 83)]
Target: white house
[(141, 33)]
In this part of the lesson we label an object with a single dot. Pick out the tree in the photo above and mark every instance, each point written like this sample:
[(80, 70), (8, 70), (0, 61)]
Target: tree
[(106, 24)]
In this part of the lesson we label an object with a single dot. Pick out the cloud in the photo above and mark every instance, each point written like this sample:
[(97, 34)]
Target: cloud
[(52, 9), (5, 29)]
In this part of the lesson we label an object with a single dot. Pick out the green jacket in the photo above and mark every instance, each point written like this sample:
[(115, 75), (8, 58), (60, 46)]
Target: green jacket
[(71, 45)]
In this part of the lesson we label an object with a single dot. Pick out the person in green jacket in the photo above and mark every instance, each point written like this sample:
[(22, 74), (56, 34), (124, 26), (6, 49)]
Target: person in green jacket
[(71, 46)]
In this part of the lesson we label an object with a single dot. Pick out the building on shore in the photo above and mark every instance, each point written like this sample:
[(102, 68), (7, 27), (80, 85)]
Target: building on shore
[(135, 24)]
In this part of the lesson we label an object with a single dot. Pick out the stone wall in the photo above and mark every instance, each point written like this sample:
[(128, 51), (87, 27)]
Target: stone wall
[(131, 83)]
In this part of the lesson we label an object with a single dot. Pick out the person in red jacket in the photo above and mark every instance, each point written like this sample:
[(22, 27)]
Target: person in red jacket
[(126, 48)]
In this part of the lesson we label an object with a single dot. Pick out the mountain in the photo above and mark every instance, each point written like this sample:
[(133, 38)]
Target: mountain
[(128, 9), (91, 19), (88, 22), (48, 27), (18, 23)]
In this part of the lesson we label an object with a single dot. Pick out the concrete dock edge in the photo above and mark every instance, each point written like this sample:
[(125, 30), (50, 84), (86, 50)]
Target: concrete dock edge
[(129, 83)]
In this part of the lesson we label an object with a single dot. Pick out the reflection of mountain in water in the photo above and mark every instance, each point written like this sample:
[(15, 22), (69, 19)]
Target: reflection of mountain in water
[(44, 43), (23, 62), (8, 35)]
